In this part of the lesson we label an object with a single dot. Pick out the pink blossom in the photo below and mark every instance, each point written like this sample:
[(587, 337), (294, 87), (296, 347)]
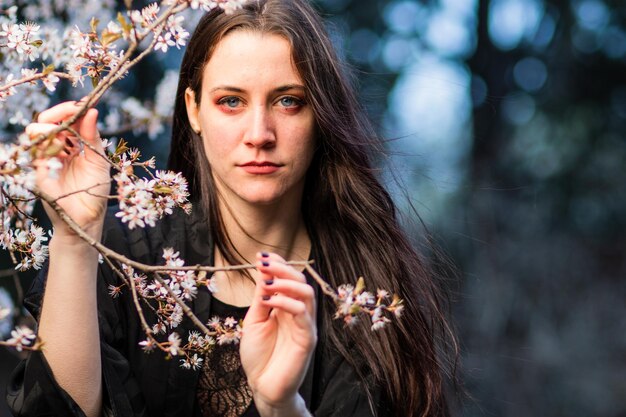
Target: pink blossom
[(147, 345)]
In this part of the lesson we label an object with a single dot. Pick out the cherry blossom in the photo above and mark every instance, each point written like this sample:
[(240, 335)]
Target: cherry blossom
[(353, 301), (174, 344), (51, 82), (143, 201), (20, 337), (148, 345), (193, 363)]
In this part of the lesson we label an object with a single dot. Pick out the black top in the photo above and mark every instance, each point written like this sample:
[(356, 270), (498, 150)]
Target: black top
[(223, 388), (139, 384)]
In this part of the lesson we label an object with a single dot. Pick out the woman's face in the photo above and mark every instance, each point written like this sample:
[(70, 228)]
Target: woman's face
[(256, 125)]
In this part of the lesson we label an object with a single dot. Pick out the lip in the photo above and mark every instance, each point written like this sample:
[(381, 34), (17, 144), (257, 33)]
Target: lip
[(260, 167)]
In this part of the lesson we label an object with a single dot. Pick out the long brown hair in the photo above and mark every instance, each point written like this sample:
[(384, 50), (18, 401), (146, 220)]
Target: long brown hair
[(349, 215)]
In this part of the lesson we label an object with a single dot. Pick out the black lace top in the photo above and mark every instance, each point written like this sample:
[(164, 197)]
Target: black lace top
[(222, 387)]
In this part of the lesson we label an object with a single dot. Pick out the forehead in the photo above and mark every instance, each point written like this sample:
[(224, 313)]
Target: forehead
[(251, 58)]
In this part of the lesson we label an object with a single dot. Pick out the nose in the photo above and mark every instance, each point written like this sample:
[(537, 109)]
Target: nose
[(260, 132)]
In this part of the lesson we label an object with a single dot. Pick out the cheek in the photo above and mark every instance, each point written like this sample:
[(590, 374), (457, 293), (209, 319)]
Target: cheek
[(304, 137), (215, 150), (307, 144)]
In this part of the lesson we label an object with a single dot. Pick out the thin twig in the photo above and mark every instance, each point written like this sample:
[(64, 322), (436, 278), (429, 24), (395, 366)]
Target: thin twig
[(8, 197), (86, 190), (83, 142), (326, 288), (36, 346), (128, 127), (144, 323), (33, 78)]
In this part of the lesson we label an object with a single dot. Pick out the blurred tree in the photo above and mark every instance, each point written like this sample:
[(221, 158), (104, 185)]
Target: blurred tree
[(541, 314)]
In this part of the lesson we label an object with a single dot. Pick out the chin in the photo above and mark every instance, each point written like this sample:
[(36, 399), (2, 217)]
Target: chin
[(261, 200)]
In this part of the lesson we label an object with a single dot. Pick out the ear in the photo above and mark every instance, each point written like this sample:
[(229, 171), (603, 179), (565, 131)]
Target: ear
[(192, 110)]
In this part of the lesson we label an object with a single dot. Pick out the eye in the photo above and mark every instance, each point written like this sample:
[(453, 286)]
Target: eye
[(230, 102), (290, 102)]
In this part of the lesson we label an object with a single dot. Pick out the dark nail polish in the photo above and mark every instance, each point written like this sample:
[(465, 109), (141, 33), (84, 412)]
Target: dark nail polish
[(266, 297), (269, 282), (265, 263), (265, 254)]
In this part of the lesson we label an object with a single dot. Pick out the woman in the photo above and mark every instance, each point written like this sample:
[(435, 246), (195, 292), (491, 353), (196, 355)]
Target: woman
[(278, 156)]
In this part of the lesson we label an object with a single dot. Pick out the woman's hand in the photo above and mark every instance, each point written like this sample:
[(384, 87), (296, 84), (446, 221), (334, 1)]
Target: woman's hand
[(82, 169), (279, 336)]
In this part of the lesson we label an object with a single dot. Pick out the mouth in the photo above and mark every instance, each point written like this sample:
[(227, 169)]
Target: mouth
[(260, 167), (260, 164)]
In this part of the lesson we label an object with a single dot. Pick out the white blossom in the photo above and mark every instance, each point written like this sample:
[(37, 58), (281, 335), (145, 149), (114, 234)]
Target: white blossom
[(20, 337), (174, 344), (194, 362), (51, 82)]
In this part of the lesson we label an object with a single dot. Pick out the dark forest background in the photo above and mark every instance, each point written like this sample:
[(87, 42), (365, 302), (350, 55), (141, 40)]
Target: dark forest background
[(505, 123)]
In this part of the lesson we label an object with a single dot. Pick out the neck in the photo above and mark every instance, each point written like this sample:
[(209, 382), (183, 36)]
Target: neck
[(275, 228), (254, 228)]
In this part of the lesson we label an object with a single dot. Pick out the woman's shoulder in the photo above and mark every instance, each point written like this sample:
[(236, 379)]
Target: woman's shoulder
[(184, 232)]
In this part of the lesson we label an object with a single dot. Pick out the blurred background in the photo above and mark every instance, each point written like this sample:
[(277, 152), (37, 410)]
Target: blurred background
[(505, 123)]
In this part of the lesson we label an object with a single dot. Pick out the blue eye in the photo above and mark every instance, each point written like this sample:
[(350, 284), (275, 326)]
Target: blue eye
[(230, 102), (290, 102)]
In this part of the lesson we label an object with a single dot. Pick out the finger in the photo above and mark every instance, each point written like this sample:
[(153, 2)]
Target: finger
[(35, 129), (258, 312), (87, 127), (296, 290), (89, 132), (59, 112), (270, 256), (279, 270), (61, 145), (296, 308)]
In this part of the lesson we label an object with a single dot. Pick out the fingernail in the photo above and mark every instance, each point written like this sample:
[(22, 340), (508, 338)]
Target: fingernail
[(265, 254), (269, 282), (266, 297), (265, 263)]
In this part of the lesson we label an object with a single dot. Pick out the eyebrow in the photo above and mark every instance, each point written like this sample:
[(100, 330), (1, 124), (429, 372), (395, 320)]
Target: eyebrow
[(280, 89)]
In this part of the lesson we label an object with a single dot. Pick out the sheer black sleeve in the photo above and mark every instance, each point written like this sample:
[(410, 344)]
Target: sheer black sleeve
[(33, 391)]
